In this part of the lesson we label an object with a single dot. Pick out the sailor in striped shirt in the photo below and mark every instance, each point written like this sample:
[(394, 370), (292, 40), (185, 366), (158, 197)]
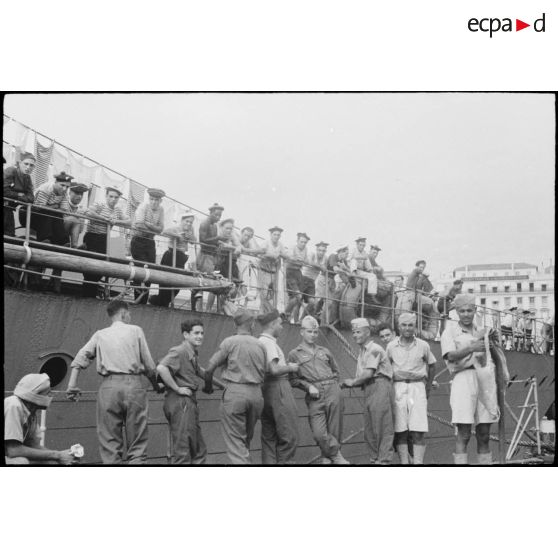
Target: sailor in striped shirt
[(95, 238), (73, 225), (150, 220), (47, 224)]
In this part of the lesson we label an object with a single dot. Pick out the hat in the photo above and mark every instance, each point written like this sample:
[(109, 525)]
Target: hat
[(360, 239), (34, 388), (187, 215), (229, 220), (265, 319), (247, 229), (27, 155), (406, 317), (512, 308), (216, 206), (273, 229), (308, 322), (242, 317), (342, 248), (78, 188), (322, 243), (112, 189), (464, 300), (302, 235), (375, 247), (62, 177), (360, 322), (156, 193)]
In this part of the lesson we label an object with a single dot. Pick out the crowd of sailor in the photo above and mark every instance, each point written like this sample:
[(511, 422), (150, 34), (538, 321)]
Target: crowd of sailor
[(335, 284)]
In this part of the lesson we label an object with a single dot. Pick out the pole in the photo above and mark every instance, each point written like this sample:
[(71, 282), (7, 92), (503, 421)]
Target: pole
[(537, 423), (27, 236), (362, 298), (173, 265), (326, 302), (392, 306)]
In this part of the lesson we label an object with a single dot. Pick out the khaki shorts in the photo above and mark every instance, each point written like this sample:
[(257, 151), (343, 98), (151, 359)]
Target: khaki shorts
[(410, 407), (465, 404)]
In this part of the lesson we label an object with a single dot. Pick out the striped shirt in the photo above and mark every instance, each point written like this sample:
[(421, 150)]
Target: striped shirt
[(45, 195), (146, 215), (68, 206), (103, 210)]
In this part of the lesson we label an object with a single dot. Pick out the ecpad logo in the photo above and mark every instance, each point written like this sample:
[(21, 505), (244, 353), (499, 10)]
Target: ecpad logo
[(492, 25)]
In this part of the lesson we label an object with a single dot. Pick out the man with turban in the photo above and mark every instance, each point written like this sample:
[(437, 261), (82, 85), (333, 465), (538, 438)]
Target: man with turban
[(463, 351), (21, 424), (413, 370)]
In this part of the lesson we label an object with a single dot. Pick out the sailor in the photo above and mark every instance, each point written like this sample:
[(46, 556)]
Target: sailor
[(123, 358), (247, 263), (298, 288), (149, 221), (270, 254), (316, 272), (49, 224), (377, 269), (338, 268), (413, 367), (18, 186), (22, 445), (374, 375), (462, 350), (279, 416), (180, 371), (360, 265), (209, 239), (318, 376), (73, 224), (103, 215), (243, 358), (180, 237)]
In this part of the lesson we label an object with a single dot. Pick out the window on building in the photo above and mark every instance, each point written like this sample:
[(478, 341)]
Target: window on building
[(519, 300), (506, 288), (494, 289), (518, 287), (531, 287), (495, 303), (544, 300), (483, 288), (470, 291), (507, 301), (531, 301), (483, 301), (543, 287)]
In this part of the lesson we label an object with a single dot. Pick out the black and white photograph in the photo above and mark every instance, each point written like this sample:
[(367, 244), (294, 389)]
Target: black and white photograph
[(325, 279)]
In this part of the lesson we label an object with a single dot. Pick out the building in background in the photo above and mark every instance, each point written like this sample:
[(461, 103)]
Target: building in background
[(504, 285)]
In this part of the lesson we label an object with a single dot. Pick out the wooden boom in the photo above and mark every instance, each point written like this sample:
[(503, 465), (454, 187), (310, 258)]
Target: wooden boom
[(15, 253)]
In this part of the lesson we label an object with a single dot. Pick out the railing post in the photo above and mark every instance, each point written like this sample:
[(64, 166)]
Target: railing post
[(27, 237), (419, 312), (362, 298), (537, 423), (393, 307), (230, 265), (326, 300), (173, 265)]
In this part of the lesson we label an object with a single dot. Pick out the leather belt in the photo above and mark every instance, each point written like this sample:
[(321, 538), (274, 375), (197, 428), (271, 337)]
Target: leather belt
[(411, 381), (326, 382)]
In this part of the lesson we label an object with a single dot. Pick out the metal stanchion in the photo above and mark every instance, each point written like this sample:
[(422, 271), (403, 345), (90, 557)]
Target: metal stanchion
[(392, 307), (173, 265), (27, 237), (326, 301), (362, 298)]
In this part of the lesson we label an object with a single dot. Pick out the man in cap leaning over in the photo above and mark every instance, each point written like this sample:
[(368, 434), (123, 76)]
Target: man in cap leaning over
[(21, 424), (73, 224), (374, 374), (413, 370), (279, 416), (243, 358), (318, 376), (149, 221)]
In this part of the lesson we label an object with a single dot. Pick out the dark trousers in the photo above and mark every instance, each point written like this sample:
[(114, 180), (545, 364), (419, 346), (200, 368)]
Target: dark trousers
[(378, 420), (48, 225), (165, 296), (183, 416), (325, 416), (142, 249), (279, 423), (9, 221), (240, 410), (94, 242), (122, 406)]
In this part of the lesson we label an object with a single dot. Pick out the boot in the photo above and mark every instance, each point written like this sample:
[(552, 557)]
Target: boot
[(418, 452), (484, 458), (460, 458), (338, 459), (325, 461), (403, 452)]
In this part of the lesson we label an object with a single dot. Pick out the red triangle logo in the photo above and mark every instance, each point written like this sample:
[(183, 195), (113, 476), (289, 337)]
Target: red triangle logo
[(519, 25)]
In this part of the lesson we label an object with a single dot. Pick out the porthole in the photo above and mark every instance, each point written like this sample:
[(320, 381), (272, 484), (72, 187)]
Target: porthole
[(56, 369)]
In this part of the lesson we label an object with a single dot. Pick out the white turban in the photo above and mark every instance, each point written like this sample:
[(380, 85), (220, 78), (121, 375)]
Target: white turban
[(34, 389), (464, 299)]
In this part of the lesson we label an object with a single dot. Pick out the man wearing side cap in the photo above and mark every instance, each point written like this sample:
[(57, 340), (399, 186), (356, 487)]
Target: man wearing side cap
[(279, 416), (21, 424), (73, 224), (244, 360), (123, 358), (360, 265), (103, 215), (318, 377), (18, 187), (149, 221), (180, 236), (464, 350), (374, 375), (413, 366)]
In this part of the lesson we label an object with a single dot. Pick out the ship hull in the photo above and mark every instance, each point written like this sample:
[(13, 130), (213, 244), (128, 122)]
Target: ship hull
[(48, 330)]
